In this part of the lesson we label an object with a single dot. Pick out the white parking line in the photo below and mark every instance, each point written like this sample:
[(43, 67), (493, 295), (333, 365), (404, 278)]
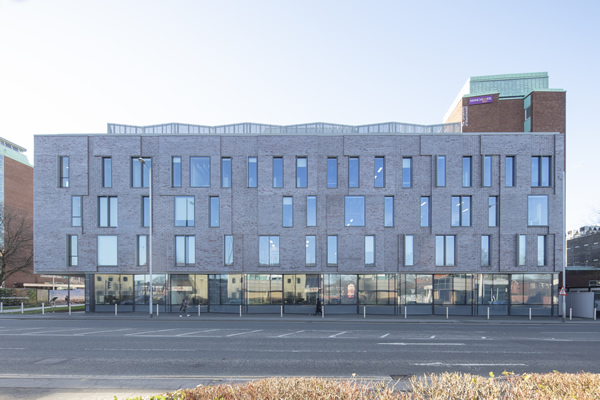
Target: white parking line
[(243, 333), (423, 344), (111, 330), (193, 332), (15, 329), (381, 337), (433, 337), (54, 331), (439, 364), (143, 333), (291, 333), (337, 334)]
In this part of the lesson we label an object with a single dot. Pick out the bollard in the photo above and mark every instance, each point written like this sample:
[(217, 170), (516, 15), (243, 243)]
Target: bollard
[(22, 310), (570, 314), (488, 313), (1, 307), (281, 311), (116, 312), (530, 313), (364, 311), (157, 310), (323, 311), (446, 312), (43, 310), (198, 309), (595, 312), (69, 308), (240, 311), (405, 312)]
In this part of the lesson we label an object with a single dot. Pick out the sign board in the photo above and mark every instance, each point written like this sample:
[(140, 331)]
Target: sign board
[(562, 292), (481, 100)]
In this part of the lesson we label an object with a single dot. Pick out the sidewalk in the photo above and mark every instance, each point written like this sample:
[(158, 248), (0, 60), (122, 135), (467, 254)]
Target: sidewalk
[(357, 318)]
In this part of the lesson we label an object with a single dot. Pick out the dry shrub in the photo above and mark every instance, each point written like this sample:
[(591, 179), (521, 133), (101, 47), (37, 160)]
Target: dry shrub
[(446, 386)]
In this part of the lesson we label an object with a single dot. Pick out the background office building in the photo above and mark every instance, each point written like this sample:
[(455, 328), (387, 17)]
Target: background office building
[(395, 217)]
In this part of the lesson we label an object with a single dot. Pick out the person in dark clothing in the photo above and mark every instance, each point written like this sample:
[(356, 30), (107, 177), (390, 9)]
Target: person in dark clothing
[(319, 310), (183, 308)]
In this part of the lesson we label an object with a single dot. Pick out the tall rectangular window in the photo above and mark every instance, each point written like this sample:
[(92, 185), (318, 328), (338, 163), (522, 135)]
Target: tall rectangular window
[(140, 173), (425, 213), (440, 172), (406, 172), (252, 172), (493, 211), (268, 250), (72, 250), (466, 172), (353, 172), (106, 172), (142, 250), (522, 250), (509, 171), (225, 172), (537, 210), (185, 250), (540, 171), (487, 171), (370, 250), (409, 250), (444, 251), (461, 210), (228, 249), (107, 211), (288, 212), (485, 250), (379, 171), (332, 173), (145, 211), (388, 211), (311, 250), (311, 210), (214, 212), (76, 211), (184, 211), (541, 250), (199, 171), (277, 172), (354, 211), (332, 250), (63, 172), (176, 171), (107, 250), (301, 172)]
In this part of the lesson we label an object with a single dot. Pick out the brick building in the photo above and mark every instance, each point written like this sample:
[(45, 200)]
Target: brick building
[(395, 217)]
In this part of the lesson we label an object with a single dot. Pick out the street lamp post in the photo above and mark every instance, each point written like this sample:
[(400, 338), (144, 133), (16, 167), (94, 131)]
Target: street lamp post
[(141, 160)]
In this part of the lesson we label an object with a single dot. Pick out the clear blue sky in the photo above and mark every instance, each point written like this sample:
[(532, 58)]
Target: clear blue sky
[(71, 66)]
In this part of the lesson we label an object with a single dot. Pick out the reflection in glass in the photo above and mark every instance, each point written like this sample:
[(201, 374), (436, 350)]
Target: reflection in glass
[(379, 172), (277, 172), (485, 251), (332, 172), (424, 211), (353, 172), (406, 172), (441, 171), (493, 211), (510, 171), (537, 211), (311, 210), (185, 250), (409, 250), (228, 258), (388, 210), (522, 250), (176, 171), (487, 171), (288, 212), (332, 246), (541, 250), (107, 250), (200, 171), (252, 172), (466, 172), (311, 250), (214, 212), (301, 172), (226, 172), (354, 211), (369, 250), (184, 210)]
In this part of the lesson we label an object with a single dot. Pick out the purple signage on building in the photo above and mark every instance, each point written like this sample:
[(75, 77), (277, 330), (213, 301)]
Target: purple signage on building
[(481, 100)]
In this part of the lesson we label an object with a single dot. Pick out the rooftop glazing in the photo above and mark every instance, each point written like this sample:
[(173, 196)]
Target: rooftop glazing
[(303, 129), (509, 85)]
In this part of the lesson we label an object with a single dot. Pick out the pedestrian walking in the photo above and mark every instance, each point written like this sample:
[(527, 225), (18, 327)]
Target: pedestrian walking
[(319, 310), (183, 308)]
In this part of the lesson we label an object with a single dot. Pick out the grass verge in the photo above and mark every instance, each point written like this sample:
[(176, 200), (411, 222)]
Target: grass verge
[(445, 386)]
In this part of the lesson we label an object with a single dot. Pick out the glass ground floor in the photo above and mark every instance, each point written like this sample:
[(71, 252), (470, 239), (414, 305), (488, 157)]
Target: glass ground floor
[(413, 294)]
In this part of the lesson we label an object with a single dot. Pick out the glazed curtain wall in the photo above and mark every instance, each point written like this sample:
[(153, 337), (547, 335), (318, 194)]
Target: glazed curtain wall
[(333, 289)]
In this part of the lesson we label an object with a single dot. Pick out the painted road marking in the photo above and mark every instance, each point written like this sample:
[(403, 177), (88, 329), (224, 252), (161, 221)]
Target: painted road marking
[(337, 334), (423, 344), (193, 332), (381, 337), (143, 333), (291, 333), (439, 364), (111, 330), (243, 333)]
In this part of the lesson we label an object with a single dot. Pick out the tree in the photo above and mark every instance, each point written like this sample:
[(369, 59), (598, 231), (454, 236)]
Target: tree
[(16, 243)]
